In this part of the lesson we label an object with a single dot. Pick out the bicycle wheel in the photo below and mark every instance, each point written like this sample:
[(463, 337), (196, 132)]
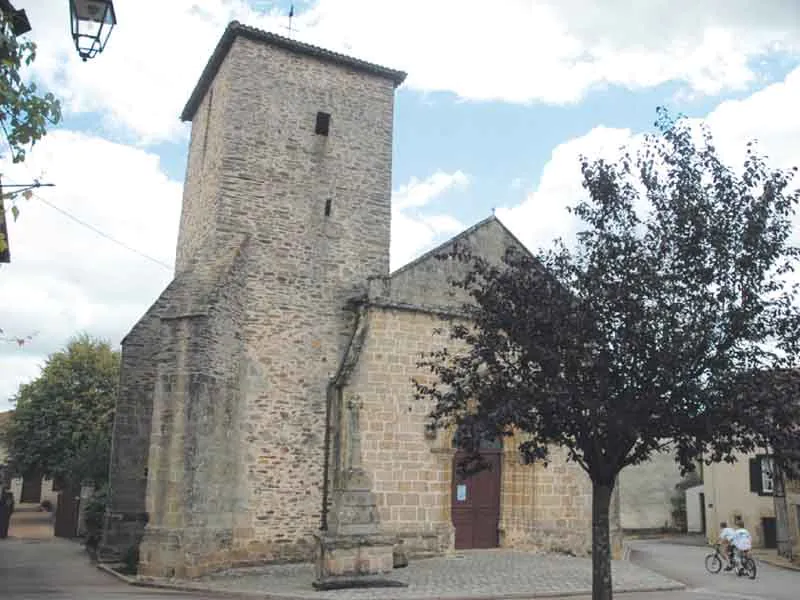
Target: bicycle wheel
[(713, 563), (749, 567)]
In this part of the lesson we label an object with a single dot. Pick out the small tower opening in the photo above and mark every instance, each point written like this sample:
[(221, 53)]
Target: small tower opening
[(323, 123), (328, 207)]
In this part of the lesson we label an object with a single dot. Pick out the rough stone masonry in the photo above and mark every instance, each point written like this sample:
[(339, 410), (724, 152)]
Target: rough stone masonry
[(218, 440), (227, 436)]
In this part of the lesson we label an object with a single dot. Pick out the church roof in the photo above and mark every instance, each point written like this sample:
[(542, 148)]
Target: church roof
[(424, 284), (236, 29), (430, 254)]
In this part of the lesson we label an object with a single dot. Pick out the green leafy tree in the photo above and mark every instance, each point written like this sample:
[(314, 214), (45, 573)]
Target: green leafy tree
[(645, 336), (25, 112), (61, 425)]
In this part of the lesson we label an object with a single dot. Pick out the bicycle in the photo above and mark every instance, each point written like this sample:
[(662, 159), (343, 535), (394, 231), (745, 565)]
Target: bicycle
[(742, 563), (715, 560), (747, 565)]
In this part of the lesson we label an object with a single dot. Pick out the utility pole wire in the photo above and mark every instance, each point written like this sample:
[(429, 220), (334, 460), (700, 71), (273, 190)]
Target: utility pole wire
[(103, 234)]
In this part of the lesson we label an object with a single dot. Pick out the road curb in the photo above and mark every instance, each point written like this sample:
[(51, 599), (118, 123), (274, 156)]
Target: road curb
[(178, 587), (109, 571), (187, 587), (778, 563)]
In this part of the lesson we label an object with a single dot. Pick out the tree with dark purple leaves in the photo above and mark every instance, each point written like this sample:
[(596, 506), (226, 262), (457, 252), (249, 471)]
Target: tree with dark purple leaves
[(671, 323)]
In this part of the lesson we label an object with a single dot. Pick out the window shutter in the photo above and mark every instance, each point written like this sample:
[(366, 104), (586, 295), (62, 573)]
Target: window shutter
[(755, 475)]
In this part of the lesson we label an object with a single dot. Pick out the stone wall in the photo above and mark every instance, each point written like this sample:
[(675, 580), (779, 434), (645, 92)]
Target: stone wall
[(547, 508), (543, 508), (126, 513), (318, 210), (195, 456), (793, 505), (425, 281), (15, 487), (411, 474), (204, 170), (237, 450)]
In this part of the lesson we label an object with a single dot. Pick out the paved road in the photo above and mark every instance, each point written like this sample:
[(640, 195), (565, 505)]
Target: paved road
[(36, 565), (57, 569), (686, 564)]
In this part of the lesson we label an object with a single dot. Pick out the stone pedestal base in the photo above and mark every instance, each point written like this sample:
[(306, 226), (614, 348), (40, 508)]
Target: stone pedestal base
[(122, 533), (162, 555), (351, 561)]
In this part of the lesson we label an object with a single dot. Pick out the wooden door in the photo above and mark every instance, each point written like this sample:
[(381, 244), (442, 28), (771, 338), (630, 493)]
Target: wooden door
[(66, 521), (476, 504), (770, 529), (31, 490)]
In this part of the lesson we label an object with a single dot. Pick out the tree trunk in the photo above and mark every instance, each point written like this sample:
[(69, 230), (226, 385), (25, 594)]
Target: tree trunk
[(601, 541)]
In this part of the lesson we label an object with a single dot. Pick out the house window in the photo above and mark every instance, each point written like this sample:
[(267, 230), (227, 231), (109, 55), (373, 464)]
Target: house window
[(761, 481), (323, 123), (766, 475)]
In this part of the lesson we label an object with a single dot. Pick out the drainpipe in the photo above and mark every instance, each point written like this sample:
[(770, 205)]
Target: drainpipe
[(336, 383), (781, 512), (329, 399)]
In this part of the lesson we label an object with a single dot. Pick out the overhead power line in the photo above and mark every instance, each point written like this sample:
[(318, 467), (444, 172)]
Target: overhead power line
[(83, 223), (102, 233)]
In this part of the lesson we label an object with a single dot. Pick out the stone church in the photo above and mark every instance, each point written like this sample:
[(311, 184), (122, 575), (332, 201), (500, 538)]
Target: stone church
[(283, 337)]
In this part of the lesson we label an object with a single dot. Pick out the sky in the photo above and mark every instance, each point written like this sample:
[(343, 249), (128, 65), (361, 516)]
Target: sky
[(500, 102)]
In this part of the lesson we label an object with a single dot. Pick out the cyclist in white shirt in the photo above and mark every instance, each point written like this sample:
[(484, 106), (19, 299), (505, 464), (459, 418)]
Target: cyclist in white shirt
[(726, 535), (742, 541)]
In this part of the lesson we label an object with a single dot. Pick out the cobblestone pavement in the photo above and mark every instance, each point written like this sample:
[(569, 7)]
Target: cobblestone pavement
[(476, 574)]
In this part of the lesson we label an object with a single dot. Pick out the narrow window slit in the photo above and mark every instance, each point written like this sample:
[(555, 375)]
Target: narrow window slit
[(323, 123), (328, 207)]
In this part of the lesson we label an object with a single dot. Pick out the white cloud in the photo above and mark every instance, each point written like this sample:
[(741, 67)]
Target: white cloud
[(143, 78), (555, 51), (542, 216), (551, 51), (768, 116), (63, 277), (416, 193), (414, 231)]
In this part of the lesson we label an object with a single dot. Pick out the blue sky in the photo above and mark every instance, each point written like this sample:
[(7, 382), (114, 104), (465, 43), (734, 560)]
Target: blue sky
[(497, 107)]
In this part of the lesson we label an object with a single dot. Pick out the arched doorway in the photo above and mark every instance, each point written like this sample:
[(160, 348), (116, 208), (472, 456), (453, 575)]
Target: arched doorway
[(475, 500)]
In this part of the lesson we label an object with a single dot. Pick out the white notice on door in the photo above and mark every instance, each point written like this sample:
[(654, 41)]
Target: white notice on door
[(461, 492)]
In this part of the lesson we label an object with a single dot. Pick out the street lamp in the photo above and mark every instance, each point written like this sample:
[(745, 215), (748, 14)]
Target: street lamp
[(92, 22), (17, 18)]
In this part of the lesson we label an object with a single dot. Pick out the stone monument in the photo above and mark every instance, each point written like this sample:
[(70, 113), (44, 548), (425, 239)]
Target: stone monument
[(353, 552)]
